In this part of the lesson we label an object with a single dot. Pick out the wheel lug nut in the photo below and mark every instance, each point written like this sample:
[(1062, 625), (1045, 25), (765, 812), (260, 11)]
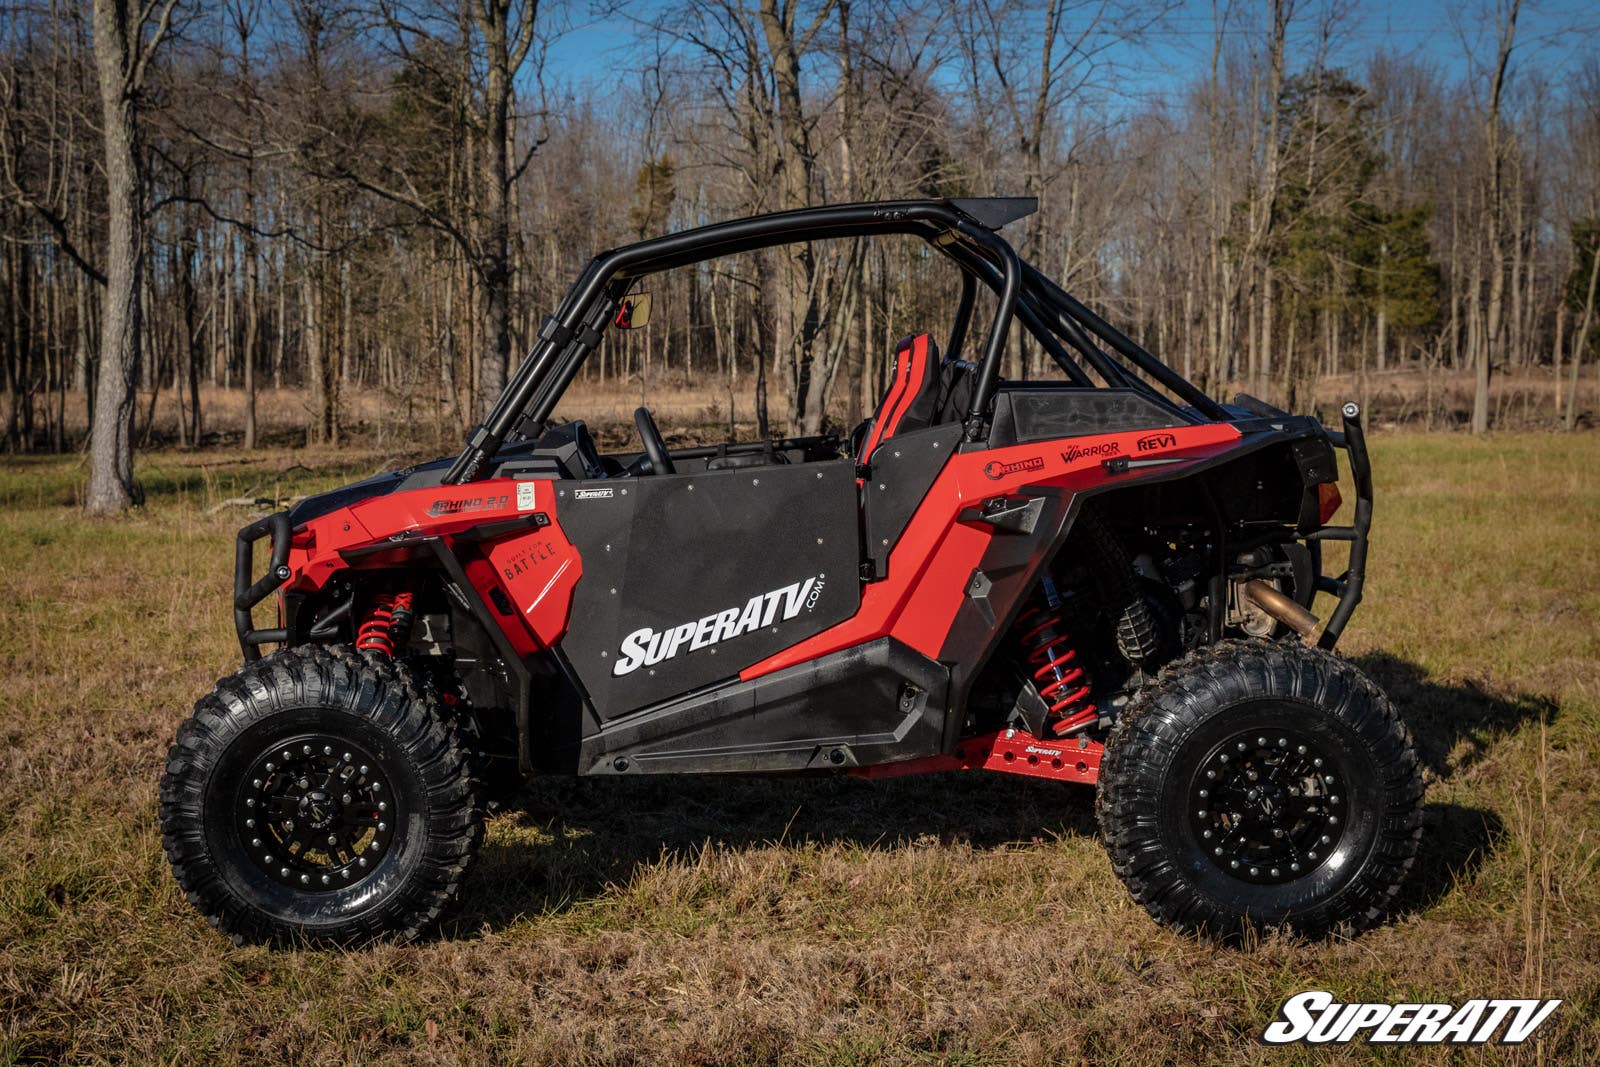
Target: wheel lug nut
[(1311, 855), (255, 842), (1241, 746), (1217, 851), (1254, 871), (327, 750), (383, 805), (363, 768), (1316, 762), (1261, 740), (1204, 793), (1283, 742), (1274, 872), (287, 754), (347, 798), (306, 749), (1326, 840), (1294, 866), (383, 826), (305, 879), (1206, 835), (305, 783), (346, 757), (332, 840), (1201, 813), (362, 861), (271, 766), (1209, 774), (1234, 864), (1333, 800), (266, 859), (1224, 757), (1333, 820), (345, 873), (326, 879), (284, 871), (1277, 833), (250, 824), (250, 803), (1300, 749)]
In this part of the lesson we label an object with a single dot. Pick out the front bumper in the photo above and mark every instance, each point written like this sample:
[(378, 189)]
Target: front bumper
[(247, 594)]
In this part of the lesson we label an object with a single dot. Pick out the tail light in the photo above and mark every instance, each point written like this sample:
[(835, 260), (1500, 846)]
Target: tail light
[(1328, 501)]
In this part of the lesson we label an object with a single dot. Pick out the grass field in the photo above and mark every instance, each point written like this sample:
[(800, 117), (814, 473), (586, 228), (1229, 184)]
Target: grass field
[(958, 919)]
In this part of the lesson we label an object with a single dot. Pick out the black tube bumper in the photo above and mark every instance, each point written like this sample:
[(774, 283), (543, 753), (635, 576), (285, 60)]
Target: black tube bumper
[(247, 594), (1347, 587)]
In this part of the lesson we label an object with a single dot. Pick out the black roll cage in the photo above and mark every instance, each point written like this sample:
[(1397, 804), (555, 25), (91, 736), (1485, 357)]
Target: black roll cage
[(965, 230)]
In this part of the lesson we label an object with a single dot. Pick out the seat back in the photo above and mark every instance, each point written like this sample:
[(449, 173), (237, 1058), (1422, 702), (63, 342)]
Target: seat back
[(912, 400)]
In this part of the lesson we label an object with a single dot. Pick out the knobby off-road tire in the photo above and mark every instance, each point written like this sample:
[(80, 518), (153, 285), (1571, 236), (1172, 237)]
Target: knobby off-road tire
[(319, 794), (1261, 784)]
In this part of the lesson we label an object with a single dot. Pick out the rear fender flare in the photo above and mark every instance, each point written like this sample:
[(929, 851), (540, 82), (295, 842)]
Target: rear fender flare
[(1012, 564)]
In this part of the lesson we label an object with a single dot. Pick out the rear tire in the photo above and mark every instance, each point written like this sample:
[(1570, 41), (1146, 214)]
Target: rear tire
[(318, 794), (1261, 784)]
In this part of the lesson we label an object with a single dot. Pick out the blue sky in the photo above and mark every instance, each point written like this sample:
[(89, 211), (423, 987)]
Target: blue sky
[(1553, 35)]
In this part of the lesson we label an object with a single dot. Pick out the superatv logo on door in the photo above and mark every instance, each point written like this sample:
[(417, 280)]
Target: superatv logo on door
[(646, 647)]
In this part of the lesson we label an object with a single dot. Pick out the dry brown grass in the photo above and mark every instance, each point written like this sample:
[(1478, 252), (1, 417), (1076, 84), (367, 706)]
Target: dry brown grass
[(960, 919)]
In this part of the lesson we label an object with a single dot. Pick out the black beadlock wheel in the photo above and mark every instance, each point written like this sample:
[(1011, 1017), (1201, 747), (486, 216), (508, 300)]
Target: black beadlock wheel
[(318, 794), (1261, 784)]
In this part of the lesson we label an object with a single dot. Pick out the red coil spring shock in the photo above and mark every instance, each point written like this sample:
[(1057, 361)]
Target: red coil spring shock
[(390, 612), (1063, 685)]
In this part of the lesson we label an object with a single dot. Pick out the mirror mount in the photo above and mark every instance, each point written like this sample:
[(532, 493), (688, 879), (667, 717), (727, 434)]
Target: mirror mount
[(633, 312)]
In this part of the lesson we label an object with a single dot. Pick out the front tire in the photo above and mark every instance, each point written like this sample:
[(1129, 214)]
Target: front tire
[(1261, 784), (318, 794)]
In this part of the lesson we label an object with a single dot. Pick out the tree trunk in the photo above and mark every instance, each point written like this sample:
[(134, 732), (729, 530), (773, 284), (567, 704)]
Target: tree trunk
[(1581, 341), (1497, 252), (1561, 329), (111, 487)]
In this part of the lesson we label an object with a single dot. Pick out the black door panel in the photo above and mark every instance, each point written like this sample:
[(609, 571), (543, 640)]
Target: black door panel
[(689, 578)]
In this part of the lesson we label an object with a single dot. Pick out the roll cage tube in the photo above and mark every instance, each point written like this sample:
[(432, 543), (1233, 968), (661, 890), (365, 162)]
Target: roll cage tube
[(962, 229), (958, 328)]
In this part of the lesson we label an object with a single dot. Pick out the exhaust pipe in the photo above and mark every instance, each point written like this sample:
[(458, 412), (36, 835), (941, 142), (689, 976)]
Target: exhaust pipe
[(1280, 606)]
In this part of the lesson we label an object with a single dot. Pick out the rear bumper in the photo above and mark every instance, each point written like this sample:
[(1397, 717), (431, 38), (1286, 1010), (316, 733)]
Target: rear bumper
[(1347, 587)]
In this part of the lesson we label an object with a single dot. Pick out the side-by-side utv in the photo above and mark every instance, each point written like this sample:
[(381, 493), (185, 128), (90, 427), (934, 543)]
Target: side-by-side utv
[(1105, 578)]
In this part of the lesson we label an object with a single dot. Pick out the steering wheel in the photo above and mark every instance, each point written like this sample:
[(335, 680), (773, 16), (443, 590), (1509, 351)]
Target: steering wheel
[(660, 462)]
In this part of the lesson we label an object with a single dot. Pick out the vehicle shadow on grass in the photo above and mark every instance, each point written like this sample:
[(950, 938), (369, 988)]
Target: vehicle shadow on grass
[(595, 833), (1455, 726)]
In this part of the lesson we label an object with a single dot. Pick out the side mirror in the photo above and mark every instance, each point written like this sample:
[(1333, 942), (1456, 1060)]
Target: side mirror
[(633, 313)]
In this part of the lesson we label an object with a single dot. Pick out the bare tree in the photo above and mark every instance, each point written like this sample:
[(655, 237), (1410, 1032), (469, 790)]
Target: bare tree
[(1494, 138), (123, 50), (507, 37)]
